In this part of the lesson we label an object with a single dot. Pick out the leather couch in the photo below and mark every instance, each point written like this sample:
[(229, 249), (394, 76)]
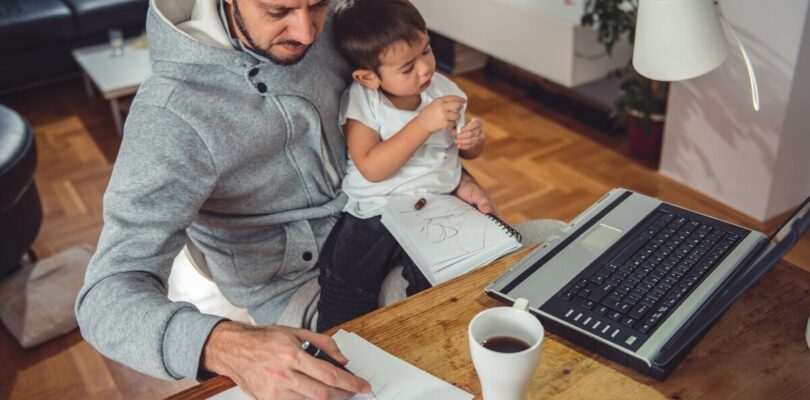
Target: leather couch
[(20, 207), (37, 36)]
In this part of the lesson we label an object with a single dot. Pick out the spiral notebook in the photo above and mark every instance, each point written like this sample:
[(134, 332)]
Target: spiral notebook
[(447, 237)]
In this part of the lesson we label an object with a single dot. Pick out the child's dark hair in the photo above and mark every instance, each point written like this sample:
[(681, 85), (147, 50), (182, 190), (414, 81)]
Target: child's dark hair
[(365, 28)]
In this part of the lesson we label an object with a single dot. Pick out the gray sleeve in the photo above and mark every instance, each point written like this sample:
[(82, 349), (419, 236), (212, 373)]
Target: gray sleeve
[(161, 177)]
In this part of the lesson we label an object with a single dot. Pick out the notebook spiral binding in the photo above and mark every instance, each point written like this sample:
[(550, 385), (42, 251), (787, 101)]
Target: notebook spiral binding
[(506, 227)]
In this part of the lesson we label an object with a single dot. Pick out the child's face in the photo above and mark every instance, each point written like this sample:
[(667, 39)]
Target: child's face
[(405, 69)]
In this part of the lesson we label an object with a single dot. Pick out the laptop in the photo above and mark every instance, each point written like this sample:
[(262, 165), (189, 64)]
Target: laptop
[(639, 280)]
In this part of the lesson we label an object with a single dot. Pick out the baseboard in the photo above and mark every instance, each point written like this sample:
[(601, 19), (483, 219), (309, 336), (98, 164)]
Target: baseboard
[(556, 97)]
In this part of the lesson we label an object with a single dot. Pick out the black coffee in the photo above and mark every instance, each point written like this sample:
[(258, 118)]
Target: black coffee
[(505, 344)]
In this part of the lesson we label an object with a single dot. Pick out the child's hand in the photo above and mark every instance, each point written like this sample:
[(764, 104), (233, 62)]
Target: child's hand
[(442, 113), (471, 136)]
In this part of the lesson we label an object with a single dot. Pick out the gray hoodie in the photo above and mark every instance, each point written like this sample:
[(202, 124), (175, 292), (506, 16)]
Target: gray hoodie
[(227, 152)]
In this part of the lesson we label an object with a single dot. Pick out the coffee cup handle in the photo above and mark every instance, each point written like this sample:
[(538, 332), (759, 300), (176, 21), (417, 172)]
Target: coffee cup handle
[(521, 304)]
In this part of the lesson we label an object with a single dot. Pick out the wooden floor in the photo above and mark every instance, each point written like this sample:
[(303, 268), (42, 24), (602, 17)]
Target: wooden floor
[(537, 164)]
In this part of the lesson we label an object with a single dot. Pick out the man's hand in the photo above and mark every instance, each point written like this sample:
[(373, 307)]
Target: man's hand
[(440, 114), (268, 363), (470, 191)]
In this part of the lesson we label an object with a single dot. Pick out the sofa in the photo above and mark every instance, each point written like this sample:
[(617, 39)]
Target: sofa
[(20, 207), (37, 36)]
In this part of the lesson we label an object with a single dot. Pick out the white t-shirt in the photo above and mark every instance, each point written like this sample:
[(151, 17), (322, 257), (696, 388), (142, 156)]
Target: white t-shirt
[(434, 168)]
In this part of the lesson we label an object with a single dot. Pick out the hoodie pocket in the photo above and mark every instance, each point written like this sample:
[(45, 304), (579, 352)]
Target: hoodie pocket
[(285, 251)]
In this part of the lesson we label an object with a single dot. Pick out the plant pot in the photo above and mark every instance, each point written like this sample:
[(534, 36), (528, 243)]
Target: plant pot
[(645, 136)]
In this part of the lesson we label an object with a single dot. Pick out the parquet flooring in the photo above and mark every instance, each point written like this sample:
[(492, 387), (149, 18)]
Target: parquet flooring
[(75, 142), (537, 164)]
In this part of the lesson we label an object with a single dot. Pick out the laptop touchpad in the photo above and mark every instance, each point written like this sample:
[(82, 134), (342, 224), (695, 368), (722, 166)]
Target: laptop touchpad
[(600, 238)]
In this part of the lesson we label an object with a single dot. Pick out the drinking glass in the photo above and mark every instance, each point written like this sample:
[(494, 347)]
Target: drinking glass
[(116, 42)]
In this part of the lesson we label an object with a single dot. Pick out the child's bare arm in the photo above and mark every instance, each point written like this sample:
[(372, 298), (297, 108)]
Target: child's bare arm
[(471, 139), (378, 160)]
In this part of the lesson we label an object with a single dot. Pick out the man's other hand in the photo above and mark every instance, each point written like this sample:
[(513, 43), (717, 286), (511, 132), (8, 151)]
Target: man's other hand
[(268, 363), (471, 192)]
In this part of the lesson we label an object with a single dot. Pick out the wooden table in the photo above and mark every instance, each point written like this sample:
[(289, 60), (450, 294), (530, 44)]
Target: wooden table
[(756, 351)]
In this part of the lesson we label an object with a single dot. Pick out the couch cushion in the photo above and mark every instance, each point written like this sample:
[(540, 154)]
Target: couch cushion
[(33, 23), (96, 16)]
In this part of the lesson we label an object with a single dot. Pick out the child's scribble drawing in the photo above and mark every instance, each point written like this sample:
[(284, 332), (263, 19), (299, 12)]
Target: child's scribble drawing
[(446, 222)]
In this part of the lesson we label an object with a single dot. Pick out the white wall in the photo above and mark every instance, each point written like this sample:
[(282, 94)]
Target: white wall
[(715, 142), (792, 172), (543, 37)]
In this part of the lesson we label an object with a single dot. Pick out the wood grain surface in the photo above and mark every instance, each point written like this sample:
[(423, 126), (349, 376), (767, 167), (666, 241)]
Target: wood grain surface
[(756, 351)]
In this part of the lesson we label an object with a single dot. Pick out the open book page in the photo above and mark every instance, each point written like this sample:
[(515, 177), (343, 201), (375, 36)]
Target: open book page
[(390, 377), (445, 232)]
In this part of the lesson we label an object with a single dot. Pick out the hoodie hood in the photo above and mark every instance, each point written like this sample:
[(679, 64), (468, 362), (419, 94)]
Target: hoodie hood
[(191, 32), (196, 19)]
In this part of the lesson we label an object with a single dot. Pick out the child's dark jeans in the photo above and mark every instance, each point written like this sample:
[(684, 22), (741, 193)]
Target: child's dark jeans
[(356, 258)]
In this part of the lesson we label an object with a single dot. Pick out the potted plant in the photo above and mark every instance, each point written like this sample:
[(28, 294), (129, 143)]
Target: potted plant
[(641, 105)]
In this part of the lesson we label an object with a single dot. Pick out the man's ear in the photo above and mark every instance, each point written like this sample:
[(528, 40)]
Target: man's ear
[(367, 78)]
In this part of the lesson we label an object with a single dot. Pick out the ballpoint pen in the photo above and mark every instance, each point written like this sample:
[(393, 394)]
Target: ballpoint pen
[(314, 351)]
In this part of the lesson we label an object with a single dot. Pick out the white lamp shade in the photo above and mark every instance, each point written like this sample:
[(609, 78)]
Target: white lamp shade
[(678, 39)]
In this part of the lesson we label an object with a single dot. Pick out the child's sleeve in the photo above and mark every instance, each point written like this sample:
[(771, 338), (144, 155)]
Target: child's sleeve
[(357, 103)]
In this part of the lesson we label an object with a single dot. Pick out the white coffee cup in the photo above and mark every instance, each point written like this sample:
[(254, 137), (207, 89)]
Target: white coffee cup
[(505, 376)]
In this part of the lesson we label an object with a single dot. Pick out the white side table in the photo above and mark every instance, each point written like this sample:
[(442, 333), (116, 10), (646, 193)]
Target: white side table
[(114, 76)]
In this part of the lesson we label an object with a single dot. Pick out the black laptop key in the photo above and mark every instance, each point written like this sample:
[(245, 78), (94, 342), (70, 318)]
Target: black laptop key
[(628, 322), (651, 280), (597, 294), (639, 311), (655, 295), (646, 287), (631, 300), (613, 304), (615, 315), (631, 281), (587, 304), (648, 301), (624, 288)]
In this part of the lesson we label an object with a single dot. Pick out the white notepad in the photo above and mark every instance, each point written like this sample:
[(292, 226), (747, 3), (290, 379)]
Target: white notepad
[(447, 237), (390, 377)]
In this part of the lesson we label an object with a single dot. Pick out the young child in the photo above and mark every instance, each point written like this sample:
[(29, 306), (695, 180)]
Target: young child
[(401, 121)]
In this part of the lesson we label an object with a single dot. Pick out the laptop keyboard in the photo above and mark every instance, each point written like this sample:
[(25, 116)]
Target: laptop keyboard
[(654, 270)]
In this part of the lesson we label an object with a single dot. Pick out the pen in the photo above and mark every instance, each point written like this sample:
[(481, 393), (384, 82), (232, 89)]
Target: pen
[(460, 123), (420, 203), (314, 351)]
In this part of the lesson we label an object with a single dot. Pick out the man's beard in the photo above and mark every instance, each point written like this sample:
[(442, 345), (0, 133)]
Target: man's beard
[(265, 52)]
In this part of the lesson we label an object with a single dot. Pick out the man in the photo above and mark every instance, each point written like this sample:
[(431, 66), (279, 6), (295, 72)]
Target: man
[(233, 145)]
